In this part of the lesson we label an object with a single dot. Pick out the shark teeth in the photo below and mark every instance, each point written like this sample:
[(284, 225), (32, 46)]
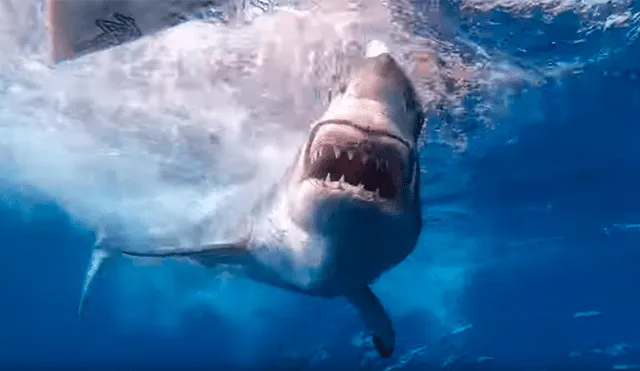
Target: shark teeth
[(351, 154), (354, 169), (343, 185), (315, 155)]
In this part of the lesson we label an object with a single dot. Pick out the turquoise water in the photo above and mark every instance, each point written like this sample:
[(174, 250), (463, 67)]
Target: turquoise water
[(529, 256)]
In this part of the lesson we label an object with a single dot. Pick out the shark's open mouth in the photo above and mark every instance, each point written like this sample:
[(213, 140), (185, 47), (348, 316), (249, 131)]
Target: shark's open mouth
[(351, 167)]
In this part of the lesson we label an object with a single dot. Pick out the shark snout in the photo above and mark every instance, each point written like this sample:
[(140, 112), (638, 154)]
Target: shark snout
[(381, 97), (382, 80), (383, 65)]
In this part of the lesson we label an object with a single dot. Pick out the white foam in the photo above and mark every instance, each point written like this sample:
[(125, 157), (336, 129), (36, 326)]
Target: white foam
[(375, 48)]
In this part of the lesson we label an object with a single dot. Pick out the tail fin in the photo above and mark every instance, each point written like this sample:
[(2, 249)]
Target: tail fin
[(78, 27), (98, 257)]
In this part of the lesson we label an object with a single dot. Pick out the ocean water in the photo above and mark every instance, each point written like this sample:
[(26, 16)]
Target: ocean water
[(529, 255)]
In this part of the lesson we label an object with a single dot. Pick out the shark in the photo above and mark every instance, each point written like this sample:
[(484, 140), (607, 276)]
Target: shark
[(346, 210)]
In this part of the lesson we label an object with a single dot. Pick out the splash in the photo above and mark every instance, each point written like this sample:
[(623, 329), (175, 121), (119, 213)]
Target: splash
[(196, 121)]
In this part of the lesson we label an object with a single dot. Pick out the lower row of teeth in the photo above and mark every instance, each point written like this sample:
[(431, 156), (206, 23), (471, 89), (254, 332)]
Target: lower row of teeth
[(341, 184)]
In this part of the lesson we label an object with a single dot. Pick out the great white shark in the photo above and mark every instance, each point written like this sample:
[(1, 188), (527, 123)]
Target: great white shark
[(346, 210)]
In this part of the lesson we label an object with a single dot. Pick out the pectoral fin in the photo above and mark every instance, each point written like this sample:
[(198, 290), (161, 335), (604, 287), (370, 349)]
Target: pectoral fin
[(98, 257), (376, 319), (82, 27), (209, 255)]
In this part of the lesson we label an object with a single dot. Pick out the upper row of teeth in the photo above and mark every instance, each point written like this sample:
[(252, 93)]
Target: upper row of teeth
[(315, 155)]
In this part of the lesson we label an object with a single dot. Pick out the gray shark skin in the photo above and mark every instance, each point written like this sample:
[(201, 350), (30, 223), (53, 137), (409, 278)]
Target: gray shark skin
[(346, 211)]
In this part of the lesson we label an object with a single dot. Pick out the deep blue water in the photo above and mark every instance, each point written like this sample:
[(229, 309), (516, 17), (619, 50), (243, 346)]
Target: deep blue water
[(553, 211)]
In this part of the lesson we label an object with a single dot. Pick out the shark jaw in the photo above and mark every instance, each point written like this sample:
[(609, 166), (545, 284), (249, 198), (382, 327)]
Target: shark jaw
[(359, 170)]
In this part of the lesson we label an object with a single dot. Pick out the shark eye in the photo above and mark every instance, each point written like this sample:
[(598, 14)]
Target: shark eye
[(342, 87), (409, 102)]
